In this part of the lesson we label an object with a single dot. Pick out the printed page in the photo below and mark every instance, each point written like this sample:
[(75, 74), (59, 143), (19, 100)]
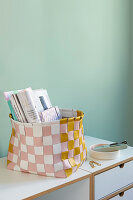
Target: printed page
[(26, 99), (20, 109), (42, 100)]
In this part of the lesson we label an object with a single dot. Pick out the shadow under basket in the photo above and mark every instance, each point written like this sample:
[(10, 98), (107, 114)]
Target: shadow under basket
[(54, 148)]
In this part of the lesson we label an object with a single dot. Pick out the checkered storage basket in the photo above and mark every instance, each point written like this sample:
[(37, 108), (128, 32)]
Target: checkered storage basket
[(51, 149)]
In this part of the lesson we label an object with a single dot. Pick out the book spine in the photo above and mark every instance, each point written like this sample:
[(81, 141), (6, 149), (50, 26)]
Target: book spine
[(8, 96), (15, 108), (12, 111), (20, 109)]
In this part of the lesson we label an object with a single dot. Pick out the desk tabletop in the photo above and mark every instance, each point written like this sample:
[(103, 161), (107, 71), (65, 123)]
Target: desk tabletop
[(18, 185), (125, 155), (28, 186)]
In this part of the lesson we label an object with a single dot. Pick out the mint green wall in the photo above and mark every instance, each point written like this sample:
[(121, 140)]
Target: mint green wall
[(78, 50)]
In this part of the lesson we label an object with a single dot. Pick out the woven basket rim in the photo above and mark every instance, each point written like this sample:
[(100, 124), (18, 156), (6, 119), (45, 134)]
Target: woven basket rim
[(80, 116)]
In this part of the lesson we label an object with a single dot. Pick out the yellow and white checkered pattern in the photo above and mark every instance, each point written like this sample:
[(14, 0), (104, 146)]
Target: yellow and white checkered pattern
[(73, 136)]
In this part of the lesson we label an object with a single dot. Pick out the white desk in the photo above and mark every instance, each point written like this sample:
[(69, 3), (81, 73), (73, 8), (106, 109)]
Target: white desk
[(113, 176), (125, 155), (102, 182), (17, 185)]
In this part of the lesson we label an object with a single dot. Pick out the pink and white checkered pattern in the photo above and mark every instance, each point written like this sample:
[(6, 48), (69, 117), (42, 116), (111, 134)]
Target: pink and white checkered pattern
[(37, 149)]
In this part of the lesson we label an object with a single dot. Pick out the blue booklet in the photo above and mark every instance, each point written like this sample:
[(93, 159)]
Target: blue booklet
[(7, 97)]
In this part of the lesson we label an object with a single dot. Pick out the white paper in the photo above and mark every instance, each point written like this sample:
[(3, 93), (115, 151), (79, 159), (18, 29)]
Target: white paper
[(41, 93), (26, 99)]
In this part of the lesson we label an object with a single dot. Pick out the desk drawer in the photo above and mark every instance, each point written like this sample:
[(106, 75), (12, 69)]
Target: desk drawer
[(113, 179), (127, 195)]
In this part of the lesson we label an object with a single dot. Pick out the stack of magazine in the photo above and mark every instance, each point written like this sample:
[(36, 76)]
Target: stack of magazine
[(31, 106)]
